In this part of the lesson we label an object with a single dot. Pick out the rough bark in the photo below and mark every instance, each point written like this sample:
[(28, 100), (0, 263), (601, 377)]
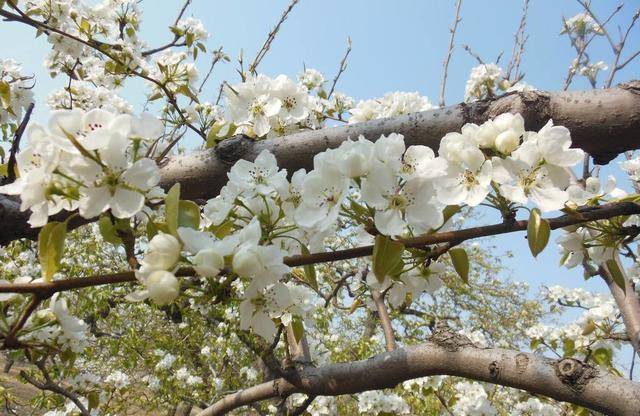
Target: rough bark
[(628, 302), (447, 353), (604, 123)]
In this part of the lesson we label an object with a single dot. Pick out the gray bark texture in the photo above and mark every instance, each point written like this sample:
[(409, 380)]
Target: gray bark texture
[(604, 123), (448, 353)]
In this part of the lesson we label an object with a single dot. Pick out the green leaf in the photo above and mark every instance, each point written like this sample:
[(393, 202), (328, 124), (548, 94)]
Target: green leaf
[(616, 273), (152, 229), (51, 247), (568, 347), (5, 94), (94, 400), (449, 211), (386, 256), (172, 208), (155, 96), (538, 232), (108, 230), (298, 328), (186, 91), (188, 214), (460, 261), (535, 343), (602, 356), (310, 270), (222, 230)]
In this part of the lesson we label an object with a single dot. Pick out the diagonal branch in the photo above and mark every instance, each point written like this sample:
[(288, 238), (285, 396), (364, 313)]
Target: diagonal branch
[(15, 146), (565, 379), (581, 216), (385, 321)]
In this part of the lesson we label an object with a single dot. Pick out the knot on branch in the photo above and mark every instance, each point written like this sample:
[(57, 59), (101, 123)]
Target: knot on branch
[(234, 148), (575, 373), (449, 339), (631, 86), (494, 370)]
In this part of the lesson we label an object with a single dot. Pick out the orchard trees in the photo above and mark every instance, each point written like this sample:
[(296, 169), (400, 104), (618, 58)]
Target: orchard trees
[(314, 255)]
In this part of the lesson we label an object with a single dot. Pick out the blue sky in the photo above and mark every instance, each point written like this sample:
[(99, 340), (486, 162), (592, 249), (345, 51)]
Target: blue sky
[(397, 45)]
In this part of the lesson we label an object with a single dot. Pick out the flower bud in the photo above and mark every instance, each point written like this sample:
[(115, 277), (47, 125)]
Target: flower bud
[(208, 263), (246, 262), (507, 142), (163, 252), (163, 287)]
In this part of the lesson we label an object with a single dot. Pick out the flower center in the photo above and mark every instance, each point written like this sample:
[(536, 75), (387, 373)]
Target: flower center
[(398, 202)]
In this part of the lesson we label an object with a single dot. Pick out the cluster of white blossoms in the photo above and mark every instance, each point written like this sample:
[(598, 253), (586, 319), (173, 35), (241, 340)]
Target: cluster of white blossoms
[(261, 105), (487, 80), (321, 405), (192, 30), (261, 217), (472, 400), (86, 96), (392, 104), (56, 326), (591, 70), (483, 81), (592, 330), (93, 162), (581, 25), (15, 91), (379, 402), (174, 71), (112, 23), (536, 407)]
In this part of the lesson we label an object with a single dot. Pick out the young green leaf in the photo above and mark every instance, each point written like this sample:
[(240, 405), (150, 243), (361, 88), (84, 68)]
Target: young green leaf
[(188, 214), (108, 230), (172, 208), (5, 94), (51, 247), (538, 232), (386, 256), (298, 328), (616, 273), (460, 261), (310, 270)]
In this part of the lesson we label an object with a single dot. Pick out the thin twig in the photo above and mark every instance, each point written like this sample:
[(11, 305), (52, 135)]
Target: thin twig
[(445, 65), (519, 41), (472, 53), (343, 67), (176, 37), (51, 386), (581, 216), (385, 321), (10, 340), (272, 35), (217, 56), (303, 407), (15, 146)]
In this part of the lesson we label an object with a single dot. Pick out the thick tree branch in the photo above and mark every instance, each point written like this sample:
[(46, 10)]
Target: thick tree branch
[(602, 122), (566, 379)]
